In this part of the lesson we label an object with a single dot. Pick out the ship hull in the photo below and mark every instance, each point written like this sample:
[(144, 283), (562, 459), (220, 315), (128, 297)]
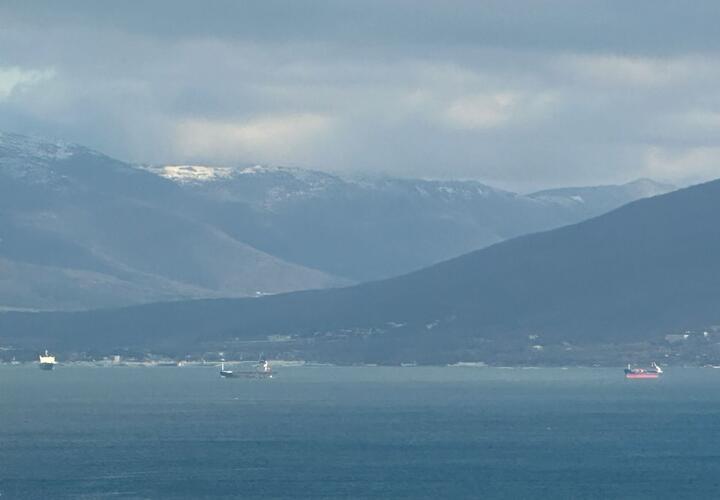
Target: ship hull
[(641, 375), (245, 375), (47, 366)]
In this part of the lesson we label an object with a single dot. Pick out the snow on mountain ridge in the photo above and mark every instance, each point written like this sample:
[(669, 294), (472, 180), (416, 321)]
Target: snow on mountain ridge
[(192, 173), (36, 147), (207, 173), (269, 187), (30, 159)]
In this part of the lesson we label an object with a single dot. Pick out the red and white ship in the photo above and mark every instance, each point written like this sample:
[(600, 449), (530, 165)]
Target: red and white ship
[(653, 372)]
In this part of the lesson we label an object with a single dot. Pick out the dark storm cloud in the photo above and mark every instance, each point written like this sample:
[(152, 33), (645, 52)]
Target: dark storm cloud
[(641, 26), (522, 94)]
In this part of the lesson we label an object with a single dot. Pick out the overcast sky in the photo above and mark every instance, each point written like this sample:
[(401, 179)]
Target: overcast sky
[(519, 94)]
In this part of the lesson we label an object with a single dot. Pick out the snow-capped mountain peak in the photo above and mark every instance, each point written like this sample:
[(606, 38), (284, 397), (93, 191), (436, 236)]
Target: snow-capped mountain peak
[(31, 159), (35, 147), (192, 173), (184, 174)]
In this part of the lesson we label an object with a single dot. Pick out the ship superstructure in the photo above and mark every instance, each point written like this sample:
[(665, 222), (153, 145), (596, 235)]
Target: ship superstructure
[(47, 361), (226, 373)]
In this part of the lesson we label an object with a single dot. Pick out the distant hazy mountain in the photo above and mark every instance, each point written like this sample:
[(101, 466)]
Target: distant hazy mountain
[(366, 229), (600, 199), (81, 230), (637, 273)]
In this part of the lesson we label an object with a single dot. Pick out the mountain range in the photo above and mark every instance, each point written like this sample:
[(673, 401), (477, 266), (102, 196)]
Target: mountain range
[(631, 275), (80, 230), (366, 229)]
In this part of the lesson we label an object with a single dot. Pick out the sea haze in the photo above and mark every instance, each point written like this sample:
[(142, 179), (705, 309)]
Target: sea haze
[(327, 432)]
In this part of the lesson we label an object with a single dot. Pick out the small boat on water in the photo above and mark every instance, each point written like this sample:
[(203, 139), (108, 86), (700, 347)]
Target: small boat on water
[(226, 373), (47, 361), (262, 370), (640, 373)]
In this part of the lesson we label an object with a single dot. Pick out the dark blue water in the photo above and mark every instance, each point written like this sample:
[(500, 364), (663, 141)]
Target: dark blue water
[(358, 432)]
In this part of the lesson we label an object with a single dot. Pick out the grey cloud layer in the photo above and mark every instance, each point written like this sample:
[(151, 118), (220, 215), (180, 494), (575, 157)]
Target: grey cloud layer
[(535, 94)]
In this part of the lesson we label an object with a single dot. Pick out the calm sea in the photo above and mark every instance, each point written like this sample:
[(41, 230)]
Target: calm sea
[(370, 432)]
